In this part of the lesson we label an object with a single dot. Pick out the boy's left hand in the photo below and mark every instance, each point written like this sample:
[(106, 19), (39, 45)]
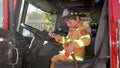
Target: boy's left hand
[(70, 48)]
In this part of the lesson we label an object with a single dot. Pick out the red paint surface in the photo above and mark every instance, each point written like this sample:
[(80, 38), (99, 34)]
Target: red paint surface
[(5, 14), (114, 15)]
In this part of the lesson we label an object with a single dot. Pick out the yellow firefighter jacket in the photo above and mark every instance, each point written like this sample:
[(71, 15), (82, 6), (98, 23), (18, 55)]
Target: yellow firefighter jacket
[(77, 36)]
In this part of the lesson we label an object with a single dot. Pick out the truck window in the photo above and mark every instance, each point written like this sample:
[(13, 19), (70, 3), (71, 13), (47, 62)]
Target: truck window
[(39, 19)]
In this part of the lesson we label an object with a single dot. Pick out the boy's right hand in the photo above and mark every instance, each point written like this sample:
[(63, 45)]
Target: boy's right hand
[(55, 36)]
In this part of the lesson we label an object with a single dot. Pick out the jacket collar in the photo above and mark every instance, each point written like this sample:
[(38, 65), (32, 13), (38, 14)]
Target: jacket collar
[(77, 27)]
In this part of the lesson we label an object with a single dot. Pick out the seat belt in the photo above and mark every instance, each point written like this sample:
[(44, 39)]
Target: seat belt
[(75, 61), (103, 21), (97, 56)]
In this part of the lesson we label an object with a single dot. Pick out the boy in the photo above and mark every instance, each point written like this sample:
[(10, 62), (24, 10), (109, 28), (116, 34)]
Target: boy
[(74, 42)]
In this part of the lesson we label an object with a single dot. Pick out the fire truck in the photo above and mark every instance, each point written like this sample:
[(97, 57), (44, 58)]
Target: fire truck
[(25, 24)]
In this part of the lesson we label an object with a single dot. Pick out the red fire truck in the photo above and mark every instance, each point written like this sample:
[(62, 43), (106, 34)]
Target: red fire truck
[(25, 24)]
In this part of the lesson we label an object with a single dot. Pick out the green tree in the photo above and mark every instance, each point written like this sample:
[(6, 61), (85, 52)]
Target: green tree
[(49, 18)]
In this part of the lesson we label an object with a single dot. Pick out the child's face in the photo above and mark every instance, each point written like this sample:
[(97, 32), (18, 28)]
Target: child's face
[(71, 23)]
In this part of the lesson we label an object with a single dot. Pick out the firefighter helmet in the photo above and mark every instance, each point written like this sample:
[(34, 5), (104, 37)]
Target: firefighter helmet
[(67, 12)]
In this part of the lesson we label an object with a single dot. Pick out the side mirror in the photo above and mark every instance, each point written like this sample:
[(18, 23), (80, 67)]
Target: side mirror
[(26, 32)]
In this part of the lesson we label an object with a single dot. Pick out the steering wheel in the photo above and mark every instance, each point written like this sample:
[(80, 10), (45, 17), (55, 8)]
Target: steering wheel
[(42, 34)]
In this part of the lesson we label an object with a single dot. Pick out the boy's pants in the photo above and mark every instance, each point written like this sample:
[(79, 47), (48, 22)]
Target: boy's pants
[(59, 57)]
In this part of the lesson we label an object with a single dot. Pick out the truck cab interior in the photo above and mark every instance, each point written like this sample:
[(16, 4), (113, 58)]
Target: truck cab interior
[(36, 48)]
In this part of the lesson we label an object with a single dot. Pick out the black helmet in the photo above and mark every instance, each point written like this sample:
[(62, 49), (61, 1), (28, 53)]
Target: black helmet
[(67, 12)]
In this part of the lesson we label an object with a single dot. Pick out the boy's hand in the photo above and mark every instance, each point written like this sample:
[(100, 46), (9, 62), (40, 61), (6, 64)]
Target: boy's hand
[(70, 48), (53, 35)]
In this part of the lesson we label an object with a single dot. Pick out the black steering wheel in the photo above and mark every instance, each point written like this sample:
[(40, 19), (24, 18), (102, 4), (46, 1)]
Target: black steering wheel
[(42, 34)]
